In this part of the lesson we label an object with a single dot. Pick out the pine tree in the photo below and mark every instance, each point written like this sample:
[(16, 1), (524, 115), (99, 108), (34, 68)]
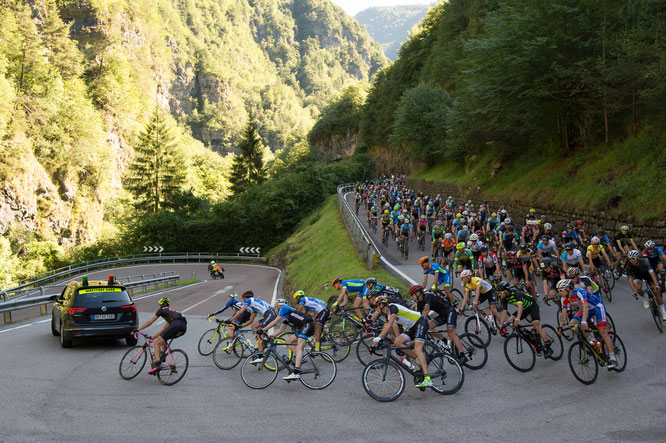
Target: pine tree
[(154, 176), (248, 166)]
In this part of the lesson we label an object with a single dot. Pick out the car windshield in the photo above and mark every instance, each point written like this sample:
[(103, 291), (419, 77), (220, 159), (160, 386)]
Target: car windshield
[(102, 295)]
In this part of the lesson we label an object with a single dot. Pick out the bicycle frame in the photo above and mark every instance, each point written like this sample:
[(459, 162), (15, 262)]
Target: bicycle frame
[(416, 374), (148, 347)]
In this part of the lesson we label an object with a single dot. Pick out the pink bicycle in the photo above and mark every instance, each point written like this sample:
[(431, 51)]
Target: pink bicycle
[(172, 370)]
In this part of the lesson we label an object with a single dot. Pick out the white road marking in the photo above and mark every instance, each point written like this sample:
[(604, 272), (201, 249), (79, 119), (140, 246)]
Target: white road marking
[(17, 327), (215, 294), (42, 321)]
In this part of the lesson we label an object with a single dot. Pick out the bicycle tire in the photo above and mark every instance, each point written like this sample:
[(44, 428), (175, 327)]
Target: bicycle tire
[(362, 350), (476, 353), (287, 352), (583, 363), (481, 330), (228, 353), (318, 370), (456, 294), (556, 346), (656, 315), (337, 345), (610, 278), (346, 327), (620, 352), (208, 341), (132, 362), (524, 356), (259, 375), (176, 367), (383, 380), (446, 374)]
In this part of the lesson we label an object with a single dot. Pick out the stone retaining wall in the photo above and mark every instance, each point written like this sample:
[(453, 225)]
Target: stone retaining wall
[(557, 216)]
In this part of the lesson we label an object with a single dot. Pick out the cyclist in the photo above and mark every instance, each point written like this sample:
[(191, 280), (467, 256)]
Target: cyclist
[(464, 259), (444, 311), (416, 330), (175, 325), (527, 307), (347, 287), (448, 248), (422, 227), (488, 265), (404, 230), (214, 268), (474, 245), (483, 291), (546, 247), (639, 269), (582, 281), (623, 242), (303, 325), (320, 310), (592, 306), (236, 305), (580, 230), (509, 239), (386, 221), (440, 277), (594, 253), (551, 273), (437, 234), (463, 234), (572, 257), (570, 235), (655, 255), (516, 269), (255, 306)]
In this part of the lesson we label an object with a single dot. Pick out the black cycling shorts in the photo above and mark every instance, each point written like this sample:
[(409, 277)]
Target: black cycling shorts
[(175, 329), (466, 264), (323, 316), (269, 316), (597, 262), (533, 312), (518, 273), (245, 316), (489, 296), (306, 330), (419, 331), (450, 319)]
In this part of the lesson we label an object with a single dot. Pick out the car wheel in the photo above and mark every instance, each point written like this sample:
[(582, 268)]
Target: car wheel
[(64, 342), (131, 340), (54, 331)]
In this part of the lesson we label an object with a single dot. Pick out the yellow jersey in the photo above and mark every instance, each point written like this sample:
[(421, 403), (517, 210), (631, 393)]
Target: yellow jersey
[(475, 281)]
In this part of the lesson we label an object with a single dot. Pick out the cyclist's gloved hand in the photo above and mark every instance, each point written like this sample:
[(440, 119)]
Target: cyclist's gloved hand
[(227, 321), (260, 331), (376, 340), (583, 324), (433, 287)]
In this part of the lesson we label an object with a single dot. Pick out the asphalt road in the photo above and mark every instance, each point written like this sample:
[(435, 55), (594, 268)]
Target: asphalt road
[(76, 394)]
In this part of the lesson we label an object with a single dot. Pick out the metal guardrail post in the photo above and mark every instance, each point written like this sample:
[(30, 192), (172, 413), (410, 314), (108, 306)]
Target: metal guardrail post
[(7, 317)]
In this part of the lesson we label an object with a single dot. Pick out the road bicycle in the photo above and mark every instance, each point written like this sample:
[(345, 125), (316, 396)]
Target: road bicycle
[(585, 358), (373, 224), (346, 325), (473, 349), (523, 344), (171, 371), (384, 379), (403, 246), (385, 236), (211, 337), (482, 325), (334, 343), (230, 350), (604, 287), (260, 369), (569, 335), (422, 237), (653, 306)]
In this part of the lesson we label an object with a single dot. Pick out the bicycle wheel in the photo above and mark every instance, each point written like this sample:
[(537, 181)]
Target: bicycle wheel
[(556, 346), (318, 370), (446, 374), (656, 315), (610, 278), (132, 362), (383, 380), (363, 350), (228, 353), (208, 341), (174, 368), (287, 352), (259, 375), (519, 353), (583, 363), (337, 345), (344, 327), (479, 328), (620, 352), (457, 295), (476, 353)]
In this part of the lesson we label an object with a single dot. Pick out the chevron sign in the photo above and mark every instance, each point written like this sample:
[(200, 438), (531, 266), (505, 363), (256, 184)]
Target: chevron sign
[(250, 250), (153, 248)]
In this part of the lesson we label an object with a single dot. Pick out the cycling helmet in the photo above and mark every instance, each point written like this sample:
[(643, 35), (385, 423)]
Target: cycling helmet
[(465, 228), (466, 273), (507, 221), (601, 232), (336, 281), (248, 294), (233, 295), (563, 284), (448, 236), (503, 211), (416, 288), (543, 217), (281, 301), (493, 215), (532, 211), (474, 237), (633, 254), (568, 246), (386, 211), (439, 221), (164, 301), (212, 262), (511, 255), (581, 222), (372, 293), (383, 300), (371, 280), (299, 294), (595, 240), (423, 260), (649, 244), (572, 225), (503, 286), (547, 261), (423, 217), (573, 272), (460, 245), (465, 212), (523, 246), (545, 237), (458, 215), (484, 248), (548, 226), (510, 228)]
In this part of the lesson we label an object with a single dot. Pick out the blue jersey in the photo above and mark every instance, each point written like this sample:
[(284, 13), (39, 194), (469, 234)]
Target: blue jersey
[(258, 306), (443, 278), (233, 303), (405, 227), (353, 286), (312, 304), (585, 295)]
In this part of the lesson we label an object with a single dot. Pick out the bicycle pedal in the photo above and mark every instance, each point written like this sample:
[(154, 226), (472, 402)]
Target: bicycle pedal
[(422, 389)]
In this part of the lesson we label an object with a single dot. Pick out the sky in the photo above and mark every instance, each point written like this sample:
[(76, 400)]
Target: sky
[(352, 7)]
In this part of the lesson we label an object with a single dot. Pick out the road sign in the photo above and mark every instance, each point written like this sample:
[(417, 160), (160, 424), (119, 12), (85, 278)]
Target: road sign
[(153, 248), (246, 250)]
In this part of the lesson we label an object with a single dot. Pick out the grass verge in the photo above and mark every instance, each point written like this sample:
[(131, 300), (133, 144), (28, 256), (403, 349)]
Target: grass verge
[(164, 286)]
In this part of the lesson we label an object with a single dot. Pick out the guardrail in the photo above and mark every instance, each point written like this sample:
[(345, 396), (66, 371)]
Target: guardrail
[(83, 267), (364, 244), (6, 308)]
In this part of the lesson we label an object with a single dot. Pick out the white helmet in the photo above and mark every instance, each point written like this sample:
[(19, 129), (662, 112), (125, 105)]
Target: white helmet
[(212, 262), (466, 273), (563, 284), (280, 301), (474, 237), (595, 240), (548, 226), (633, 254)]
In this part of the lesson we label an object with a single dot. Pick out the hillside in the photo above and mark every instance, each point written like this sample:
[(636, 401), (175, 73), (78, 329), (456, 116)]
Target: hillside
[(79, 79), (390, 25)]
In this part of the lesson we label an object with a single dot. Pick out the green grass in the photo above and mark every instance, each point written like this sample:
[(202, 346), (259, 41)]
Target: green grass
[(320, 251), (166, 285), (625, 178)]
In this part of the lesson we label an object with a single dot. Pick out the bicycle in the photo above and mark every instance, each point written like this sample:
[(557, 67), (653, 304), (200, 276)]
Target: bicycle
[(605, 289), (346, 325), (211, 337), (609, 276), (384, 380), (585, 359), (318, 369), (230, 350), (403, 246), (523, 345), (567, 334), (422, 240), (373, 223), (473, 349), (385, 237), (171, 371), (482, 325), (333, 343), (654, 307)]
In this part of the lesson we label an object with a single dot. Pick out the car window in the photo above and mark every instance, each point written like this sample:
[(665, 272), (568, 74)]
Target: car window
[(102, 295)]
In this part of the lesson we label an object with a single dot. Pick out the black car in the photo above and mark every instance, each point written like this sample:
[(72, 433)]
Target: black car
[(100, 309)]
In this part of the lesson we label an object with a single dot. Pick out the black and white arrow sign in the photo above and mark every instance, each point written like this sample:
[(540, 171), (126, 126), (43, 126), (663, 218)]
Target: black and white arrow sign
[(250, 250), (153, 248)]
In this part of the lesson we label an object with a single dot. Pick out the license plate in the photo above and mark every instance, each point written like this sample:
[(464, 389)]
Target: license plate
[(104, 316)]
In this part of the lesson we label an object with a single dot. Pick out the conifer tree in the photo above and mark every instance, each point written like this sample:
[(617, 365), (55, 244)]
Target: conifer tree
[(248, 166)]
